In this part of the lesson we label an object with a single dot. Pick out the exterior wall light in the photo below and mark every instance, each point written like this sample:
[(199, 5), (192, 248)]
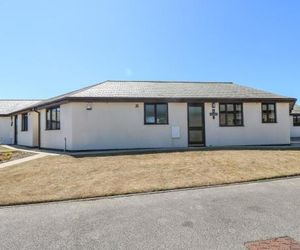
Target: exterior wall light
[(89, 106)]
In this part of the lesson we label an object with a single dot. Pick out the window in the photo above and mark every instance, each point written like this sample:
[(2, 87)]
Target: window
[(53, 118), (268, 112), (156, 113), (231, 114), (24, 124), (296, 119)]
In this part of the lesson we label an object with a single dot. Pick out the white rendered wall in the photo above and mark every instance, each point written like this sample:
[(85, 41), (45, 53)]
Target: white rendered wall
[(254, 132), (55, 139), (28, 138), (295, 130), (121, 126), (6, 131)]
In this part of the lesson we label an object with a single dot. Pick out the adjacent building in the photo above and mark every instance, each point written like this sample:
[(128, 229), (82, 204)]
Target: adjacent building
[(295, 122)]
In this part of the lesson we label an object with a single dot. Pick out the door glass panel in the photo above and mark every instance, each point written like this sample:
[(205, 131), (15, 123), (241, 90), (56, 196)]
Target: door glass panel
[(196, 124), (195, 116), (196, 136)]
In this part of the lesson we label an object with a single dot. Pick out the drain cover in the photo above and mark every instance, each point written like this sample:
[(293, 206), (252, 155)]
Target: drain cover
[(282, 243)]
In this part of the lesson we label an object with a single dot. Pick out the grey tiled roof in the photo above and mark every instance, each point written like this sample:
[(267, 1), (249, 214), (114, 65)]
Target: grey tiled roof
[(168, 89), (296, 109), (9, 106)]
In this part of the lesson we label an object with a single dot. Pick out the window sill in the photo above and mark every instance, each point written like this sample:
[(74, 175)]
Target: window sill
[(232, 126), (156, 124)]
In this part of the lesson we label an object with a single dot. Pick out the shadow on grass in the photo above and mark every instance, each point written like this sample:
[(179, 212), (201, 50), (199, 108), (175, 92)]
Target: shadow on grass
[(104, 153)]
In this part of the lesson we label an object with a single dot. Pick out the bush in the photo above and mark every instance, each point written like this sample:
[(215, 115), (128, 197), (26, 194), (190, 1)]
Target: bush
[(5, 156)]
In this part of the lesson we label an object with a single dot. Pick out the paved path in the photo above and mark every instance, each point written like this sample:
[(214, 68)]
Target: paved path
[(37, 155), (213, 218)]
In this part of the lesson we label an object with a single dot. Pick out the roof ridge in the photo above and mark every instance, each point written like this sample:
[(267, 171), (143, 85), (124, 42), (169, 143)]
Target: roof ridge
[(168, 81)]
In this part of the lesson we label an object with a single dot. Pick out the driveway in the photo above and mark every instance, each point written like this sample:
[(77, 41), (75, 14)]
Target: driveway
[(213, 218)]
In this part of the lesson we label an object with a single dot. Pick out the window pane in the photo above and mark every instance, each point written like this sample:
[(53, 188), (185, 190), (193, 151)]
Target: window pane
[(271, 107), (264, 107), (222, 107), (297, 120), (238, 116), (222, 119), (230, 107), (53, 115), (58, 114), (150, 113), (272, 116), (238, 119), (265, 117), (162, 113), (238, 107), (230, 119)]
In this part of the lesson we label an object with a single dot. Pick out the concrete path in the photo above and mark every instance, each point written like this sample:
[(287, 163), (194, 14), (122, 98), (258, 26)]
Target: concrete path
[(213, 218), (25, 159)]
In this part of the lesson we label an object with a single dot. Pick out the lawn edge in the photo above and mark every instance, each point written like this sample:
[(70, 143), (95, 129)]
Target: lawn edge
[(158, 191)]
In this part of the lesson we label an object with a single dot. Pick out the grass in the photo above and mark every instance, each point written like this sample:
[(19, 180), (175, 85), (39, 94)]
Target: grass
[(66, 177), (3, 149)]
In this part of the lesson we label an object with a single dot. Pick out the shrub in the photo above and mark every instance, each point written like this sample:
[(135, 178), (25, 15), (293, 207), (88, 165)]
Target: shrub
[(5, 156)]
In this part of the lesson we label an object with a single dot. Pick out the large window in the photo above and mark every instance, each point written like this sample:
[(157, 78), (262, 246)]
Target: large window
[(296, 119), (268, 112), (231, 114), (53, 118), (156, 113), (24, 125)]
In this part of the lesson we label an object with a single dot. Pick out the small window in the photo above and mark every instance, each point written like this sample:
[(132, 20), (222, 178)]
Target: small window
[(268, 112), (296, 119), (24, 124), (156, 113), (53, 118), (231, 114)]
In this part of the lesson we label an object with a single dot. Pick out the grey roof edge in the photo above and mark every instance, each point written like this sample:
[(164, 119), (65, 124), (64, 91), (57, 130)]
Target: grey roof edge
[(62, 96), (151, 99), (20, 100), (67, 97)]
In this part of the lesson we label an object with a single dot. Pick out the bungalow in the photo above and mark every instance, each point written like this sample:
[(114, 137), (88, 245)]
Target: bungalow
[(155, 114), (295, 122), (19, 129)]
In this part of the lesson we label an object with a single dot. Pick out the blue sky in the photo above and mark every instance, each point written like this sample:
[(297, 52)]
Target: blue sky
[(50, 47)]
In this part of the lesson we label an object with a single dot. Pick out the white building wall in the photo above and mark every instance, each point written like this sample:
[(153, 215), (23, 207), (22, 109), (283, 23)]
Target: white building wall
[(6, 130), (55, 139), (295, 130), (254, 132), (121, 126), (28, 138)]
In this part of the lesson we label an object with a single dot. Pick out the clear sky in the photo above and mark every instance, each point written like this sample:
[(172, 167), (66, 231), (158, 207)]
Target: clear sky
[(50, 47)]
